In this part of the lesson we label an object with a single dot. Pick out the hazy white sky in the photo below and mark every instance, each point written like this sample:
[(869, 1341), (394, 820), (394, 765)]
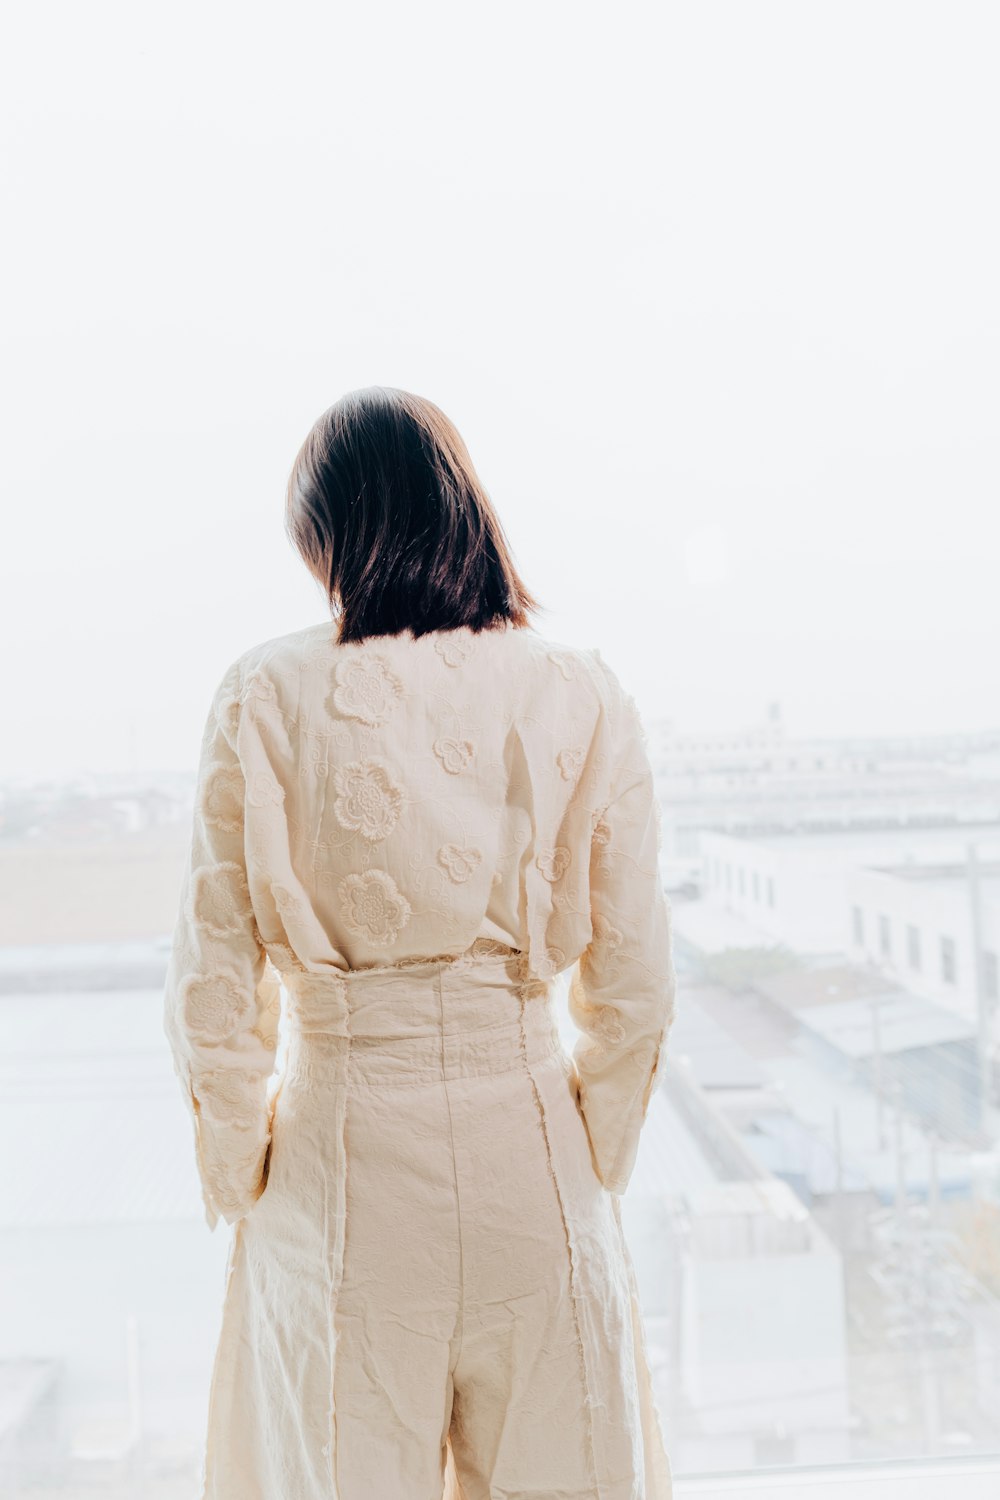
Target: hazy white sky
[(710, 290)]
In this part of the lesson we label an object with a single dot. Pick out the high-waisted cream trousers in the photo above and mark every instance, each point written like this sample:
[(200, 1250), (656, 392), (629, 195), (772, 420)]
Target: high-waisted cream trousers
[(432, 1296)]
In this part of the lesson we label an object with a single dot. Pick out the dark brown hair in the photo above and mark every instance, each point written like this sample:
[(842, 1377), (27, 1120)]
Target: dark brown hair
[(387, 511)]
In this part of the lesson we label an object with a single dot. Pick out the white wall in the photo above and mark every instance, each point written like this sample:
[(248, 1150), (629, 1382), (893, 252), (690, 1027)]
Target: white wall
[(935, 908)]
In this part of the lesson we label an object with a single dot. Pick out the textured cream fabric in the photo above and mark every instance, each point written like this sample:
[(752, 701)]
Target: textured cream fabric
[(411, 837)]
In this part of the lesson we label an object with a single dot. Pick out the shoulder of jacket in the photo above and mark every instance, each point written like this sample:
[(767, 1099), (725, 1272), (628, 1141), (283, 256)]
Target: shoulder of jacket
[(281, 653), (584, 665)]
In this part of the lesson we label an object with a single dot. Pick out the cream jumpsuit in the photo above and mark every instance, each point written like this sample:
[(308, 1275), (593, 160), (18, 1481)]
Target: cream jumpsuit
[(397, 845)]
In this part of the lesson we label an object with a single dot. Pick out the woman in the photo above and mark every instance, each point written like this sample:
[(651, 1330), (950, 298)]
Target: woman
[(410, 821)]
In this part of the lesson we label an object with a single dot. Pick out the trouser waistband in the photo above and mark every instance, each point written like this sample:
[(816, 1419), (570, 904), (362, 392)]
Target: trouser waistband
[(407, 1022)]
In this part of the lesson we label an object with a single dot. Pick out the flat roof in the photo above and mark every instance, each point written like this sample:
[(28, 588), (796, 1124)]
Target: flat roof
[(838, 1004), (985, 835)]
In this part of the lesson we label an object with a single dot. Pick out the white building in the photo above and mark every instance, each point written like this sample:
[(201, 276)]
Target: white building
[(916, 922), (799, 888)]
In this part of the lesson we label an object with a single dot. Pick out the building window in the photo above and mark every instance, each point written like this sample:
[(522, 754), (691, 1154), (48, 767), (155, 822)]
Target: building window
[(770, 891), (742, 879), (756, 886), (884, 935), (913, 945), (991, 978), (858, 921), (948, 960), (729, 877)]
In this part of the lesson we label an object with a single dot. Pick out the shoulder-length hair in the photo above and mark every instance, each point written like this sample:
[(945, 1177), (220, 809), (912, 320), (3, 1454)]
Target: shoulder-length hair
[(387, 511)]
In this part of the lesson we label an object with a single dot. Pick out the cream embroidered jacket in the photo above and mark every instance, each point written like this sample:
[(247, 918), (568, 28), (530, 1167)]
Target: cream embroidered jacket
[(402, 798)]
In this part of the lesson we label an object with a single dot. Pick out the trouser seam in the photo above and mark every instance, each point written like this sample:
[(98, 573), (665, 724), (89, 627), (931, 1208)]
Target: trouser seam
[(571, 1252), (458, 1195)]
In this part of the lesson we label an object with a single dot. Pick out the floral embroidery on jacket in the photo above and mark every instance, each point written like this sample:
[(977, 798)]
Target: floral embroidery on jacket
[(601, 831), (220, 899), (224, 1182), (288, 904), (314, 762), (215, 1004), (267, 1039), (550, 962), (454, 755), (553, 751), (367, 688), (228, 715), (606, 932), (222, 1192), (455, 649), (222, 797), (553, 863), (258, 689), (368, 800), (607, 1026), (373, 905), (460, 863), (570, 762), (264, 790), (565, 662), (229, 1095), (602, 1023)]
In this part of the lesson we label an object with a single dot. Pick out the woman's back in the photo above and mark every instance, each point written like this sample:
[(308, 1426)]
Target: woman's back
[(402, 832), (408, 796)]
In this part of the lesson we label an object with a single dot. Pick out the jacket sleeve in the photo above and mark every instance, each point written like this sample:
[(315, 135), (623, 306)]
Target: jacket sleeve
[(222, 997), (622, 988)]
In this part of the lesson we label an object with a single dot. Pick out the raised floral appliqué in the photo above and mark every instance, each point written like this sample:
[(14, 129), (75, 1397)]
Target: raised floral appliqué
[(215, 1005), (601, 831), (606, 933), (453, 754), (602, 1023), (454, 648), (565, 662), (222, 797), (228, 715), (553, 863), (220, 899), (368, 800), (226, 1180), (570, 762), (367, 688), (264, 790), (286, 902), (373, 905), (460, 862), (258, 689), (228, 1095), (549, 962), (607, 1027)]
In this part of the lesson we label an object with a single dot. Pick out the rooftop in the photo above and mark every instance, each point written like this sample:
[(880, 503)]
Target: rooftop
[(951, 840)]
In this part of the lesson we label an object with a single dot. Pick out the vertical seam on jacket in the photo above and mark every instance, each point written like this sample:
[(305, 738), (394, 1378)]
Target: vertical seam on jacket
[(454, 1168), (522, 995)]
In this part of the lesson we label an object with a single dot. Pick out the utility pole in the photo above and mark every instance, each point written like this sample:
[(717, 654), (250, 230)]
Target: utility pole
[(900, 1159), (933, 1182), (879, 1075), (840, 1217)]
